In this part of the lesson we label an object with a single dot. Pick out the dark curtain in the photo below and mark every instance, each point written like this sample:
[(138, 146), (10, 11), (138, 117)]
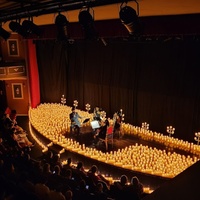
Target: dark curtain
[(52, 63), (152, 81)]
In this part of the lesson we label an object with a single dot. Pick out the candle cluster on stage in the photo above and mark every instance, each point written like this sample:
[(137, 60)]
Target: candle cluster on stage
[(170, 130), (160, 138), (197, 137), (63, 100), (87, 107), (52, 121)]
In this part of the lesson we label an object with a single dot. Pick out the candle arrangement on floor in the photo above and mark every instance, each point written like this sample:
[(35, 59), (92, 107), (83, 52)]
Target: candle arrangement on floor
[(52, 121)]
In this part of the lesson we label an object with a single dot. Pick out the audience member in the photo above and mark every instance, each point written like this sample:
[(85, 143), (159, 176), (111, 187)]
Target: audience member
[(68, 195), (48, 179), (55, 195), (79, 172), (99, 192), (82, 191), (46, 172), (68, 181), (12, 132), (41, 190), (55, 179), (56, 162), (69, 165), (96, 177), (135, 189), (118, 187)]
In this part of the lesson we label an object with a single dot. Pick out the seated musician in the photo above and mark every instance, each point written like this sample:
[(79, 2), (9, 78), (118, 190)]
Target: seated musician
[(101, 133), (103, 129), (75, 123), (117, 119), (97, 114), (96, 117)]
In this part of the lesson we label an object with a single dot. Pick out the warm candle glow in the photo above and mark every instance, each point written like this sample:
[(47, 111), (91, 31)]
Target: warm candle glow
[(52, 121)]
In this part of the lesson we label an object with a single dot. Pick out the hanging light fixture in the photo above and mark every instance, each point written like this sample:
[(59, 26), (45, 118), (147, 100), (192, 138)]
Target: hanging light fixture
[(86, 19), (61, 23), (16, 27), (30, 27), (4, 34), (129, 18)]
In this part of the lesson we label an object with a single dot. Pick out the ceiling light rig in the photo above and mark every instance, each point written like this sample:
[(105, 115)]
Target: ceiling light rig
[(31, 28), (15, 26), (86, 19), (129, 18), (62, 23), (4, 34), (27, 28), (48, 7)]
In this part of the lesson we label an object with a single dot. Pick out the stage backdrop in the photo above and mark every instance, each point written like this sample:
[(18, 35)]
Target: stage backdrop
[(152, 81)]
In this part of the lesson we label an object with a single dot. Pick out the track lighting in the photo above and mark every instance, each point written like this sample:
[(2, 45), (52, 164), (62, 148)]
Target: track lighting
[(129, 18), (61, 23), (16, 27), (86, 20), (30, 27), (4, 34)]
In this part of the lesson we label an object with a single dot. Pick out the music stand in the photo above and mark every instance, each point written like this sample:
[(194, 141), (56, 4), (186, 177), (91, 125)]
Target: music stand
[(95, 124), (86, 120)]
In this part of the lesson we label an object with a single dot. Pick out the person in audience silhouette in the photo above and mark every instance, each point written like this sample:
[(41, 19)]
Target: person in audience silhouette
[(55, 179), (96, 177), (46, 171), (118, 187), (68, 195), (79, 172), (14, 132), (99, 192), (69, 181), (135, 189)]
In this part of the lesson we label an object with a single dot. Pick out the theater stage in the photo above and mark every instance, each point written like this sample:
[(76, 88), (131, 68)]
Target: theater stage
[(150, 181)]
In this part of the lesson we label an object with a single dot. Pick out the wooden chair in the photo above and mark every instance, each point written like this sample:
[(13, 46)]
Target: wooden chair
[(109, 137)]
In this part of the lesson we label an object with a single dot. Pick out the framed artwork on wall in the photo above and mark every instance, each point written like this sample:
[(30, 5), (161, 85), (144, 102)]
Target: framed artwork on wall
[(17, 91), (13, 48)]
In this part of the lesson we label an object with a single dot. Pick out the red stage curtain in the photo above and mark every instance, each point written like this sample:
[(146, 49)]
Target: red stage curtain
[(33, 74)]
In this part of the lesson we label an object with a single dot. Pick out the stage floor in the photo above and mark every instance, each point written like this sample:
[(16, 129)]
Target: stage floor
[(87, 138)]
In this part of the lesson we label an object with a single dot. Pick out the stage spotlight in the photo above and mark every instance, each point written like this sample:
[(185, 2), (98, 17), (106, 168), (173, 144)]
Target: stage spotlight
[(86, 20), (30, 27), (4, 34), (16, 27), (61, 23), (129, 19)]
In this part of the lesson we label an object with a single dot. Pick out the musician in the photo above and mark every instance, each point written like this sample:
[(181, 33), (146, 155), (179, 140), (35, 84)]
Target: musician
[(101, 132), (75, 123), (103, 129), (117, 119), (97, 114)]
